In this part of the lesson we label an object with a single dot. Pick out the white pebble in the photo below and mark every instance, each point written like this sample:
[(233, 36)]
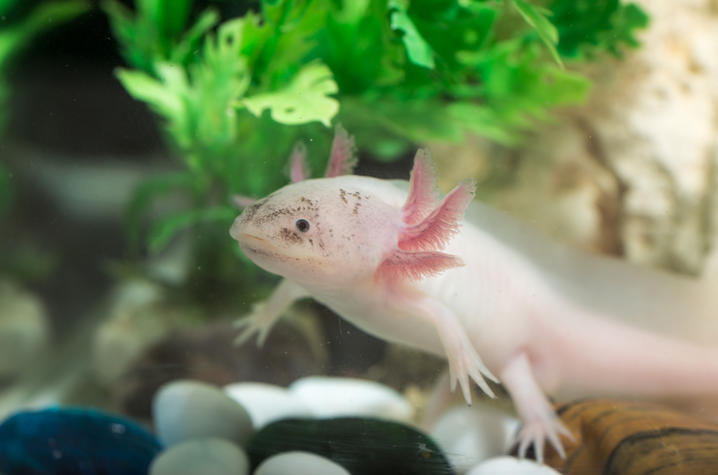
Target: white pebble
[(333, 397), (468, 435), (266, 403), (205, 456), (184, 410), (299, 463), (511, 466)]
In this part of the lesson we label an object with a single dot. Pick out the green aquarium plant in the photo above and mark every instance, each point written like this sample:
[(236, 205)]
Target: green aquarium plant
[(235, 94)]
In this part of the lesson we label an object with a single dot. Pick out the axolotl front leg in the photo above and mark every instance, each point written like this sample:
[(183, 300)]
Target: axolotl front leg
[(266, 313), (465, 364)]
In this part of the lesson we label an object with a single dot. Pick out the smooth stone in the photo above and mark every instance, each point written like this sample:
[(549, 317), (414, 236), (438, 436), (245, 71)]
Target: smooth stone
[(511, 466), (360, 445), (299, 463), (201, 456), (267, 403), (74, 440), (185, 410), (334, 397), (468, 435)]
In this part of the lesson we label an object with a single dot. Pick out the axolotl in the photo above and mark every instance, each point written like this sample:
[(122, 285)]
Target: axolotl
[(459, 279)]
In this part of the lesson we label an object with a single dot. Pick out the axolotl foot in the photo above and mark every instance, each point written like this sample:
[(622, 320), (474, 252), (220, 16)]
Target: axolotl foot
[(265, 314), (540, 422), (259, 323), (465, 364), (535, 432)]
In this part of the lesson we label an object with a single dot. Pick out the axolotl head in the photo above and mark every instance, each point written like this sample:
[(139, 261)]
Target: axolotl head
[(337, 231), (319, 232)]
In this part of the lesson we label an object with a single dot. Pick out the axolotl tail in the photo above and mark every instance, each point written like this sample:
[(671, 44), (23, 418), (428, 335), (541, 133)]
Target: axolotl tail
[(598, 356)]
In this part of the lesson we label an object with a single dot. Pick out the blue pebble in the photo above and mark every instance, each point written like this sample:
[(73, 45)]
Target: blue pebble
[(74, 441)]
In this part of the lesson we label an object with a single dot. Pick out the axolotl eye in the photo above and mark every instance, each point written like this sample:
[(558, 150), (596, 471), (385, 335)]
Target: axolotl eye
[(302, 225)]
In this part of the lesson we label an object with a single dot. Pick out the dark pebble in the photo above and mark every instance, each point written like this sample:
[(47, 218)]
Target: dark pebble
[(74, 441), (361, 445)]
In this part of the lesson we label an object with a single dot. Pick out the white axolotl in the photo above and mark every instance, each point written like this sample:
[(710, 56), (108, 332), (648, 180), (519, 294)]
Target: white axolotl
[(460, 280)]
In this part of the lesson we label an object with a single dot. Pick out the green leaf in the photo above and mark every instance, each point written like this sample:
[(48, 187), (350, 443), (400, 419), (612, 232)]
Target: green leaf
[(169, 16), (193, 37), (536, 18), (287, 38), (166, 228), (164, 100), (304, 99), (417, 49), (156, 32), (590, 26)]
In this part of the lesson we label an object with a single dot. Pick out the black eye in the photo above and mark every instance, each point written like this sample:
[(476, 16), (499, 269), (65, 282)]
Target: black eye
[(302, 225)]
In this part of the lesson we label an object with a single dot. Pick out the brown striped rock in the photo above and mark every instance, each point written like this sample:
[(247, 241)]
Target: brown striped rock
[(631, 438)]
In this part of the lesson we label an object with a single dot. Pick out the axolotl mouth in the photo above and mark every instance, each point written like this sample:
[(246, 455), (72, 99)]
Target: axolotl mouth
[(251, 244), (275, 260)]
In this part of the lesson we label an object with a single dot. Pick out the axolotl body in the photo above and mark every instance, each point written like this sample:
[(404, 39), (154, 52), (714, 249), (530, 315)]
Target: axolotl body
[(463, 281)]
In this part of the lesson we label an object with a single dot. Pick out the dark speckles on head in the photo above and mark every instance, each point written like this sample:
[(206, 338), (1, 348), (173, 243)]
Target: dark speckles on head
[(357, 196), (252, 209), (312, 205), (290, 235), (273, 214)]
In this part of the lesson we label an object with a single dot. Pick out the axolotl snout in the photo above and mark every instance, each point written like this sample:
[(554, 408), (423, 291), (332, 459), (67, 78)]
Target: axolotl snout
[(457, 279)]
